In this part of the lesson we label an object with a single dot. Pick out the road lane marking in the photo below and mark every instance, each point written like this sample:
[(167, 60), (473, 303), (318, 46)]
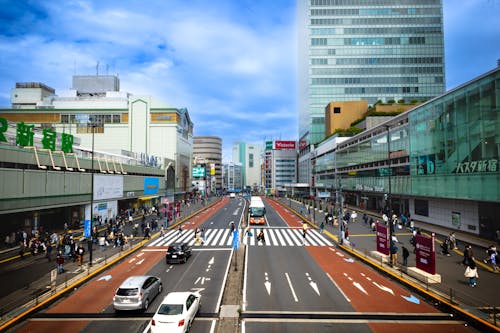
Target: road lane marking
[(340, 290), (291, 288)]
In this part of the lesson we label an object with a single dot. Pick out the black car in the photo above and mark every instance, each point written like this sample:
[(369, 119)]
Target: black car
[(178, 252)]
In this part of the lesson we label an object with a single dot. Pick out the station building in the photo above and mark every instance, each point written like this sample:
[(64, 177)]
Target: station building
[(437, 162)]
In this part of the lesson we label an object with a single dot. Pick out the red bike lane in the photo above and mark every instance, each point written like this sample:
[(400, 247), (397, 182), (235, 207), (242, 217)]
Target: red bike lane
[(369, 291)]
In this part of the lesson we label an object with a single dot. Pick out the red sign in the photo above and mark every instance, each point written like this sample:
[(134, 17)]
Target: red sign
[(284, 144), (382, 238), (425, 253)]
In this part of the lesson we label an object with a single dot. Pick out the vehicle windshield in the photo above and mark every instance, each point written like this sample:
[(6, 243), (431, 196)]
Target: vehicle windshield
[(256, 211), (127, 291), (176, 248), (170, 309)]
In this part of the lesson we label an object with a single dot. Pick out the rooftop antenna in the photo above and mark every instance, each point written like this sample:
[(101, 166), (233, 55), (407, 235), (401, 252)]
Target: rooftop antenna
[(97, 69)]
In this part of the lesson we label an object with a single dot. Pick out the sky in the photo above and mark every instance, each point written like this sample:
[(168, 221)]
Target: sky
[(231, 63)]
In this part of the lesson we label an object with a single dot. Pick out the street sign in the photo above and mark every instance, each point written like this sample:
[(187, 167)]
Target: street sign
[(236, 241)]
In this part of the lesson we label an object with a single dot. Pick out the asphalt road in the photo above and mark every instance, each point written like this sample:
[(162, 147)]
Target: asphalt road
[(288, 287)]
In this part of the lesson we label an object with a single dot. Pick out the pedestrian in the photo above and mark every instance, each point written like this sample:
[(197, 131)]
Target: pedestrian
[(493, 261), (80, 252), (231, 226), (162, 231), (322, 227), (261, 237), (304, 232), (365, 218), (203, 236), (444, 247), (394, 254), (471, 273), (48, 250), (453, 241), (60, 262), (468, 255), (489, 251), (179, 230), (406, 254), (346, 233)]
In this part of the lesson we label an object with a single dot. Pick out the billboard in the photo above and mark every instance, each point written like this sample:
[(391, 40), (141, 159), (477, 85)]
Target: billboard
[(107, 187), (382, 238), (151, 185), (199, 172), (425, 253), (278, 145)]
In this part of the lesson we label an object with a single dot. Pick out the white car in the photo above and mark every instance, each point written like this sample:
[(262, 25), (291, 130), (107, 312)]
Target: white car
[(176, 312)]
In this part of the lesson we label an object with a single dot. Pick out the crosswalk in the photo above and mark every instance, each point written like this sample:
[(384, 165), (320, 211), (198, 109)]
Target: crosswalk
[(224, 238)]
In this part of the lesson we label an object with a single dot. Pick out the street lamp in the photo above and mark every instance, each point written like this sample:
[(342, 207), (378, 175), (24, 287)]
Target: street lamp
[(338, 202), (389, 198), (92, 124)]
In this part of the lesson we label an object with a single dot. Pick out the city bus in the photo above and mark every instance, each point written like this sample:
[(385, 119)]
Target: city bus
[(256, 211)]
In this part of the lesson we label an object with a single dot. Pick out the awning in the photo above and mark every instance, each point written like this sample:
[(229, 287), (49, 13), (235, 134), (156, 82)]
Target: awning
[(148, 197)]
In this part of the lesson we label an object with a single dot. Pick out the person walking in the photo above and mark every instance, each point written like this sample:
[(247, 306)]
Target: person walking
[(322, 227), (60, 262), (304, 232), (468, 255), (406, 254), (80, 251), (471, 273)]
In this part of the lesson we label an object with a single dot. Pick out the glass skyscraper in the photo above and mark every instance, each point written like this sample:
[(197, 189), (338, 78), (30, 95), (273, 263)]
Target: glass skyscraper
[(366, 50)]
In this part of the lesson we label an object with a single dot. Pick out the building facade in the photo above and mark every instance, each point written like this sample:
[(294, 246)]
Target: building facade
[(438, 162), (250, 157), (209, 149), (280, 165), (232, 177), (103, 118), (366, 50)]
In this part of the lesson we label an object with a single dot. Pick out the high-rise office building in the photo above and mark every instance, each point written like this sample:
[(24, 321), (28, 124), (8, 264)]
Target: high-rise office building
[(250, 157), (366, 50), (208, 149)]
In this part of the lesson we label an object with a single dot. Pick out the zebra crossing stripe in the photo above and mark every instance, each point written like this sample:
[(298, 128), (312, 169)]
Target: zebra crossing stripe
[(223, 237)]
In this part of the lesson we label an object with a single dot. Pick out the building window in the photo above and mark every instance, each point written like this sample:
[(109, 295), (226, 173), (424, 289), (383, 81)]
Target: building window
[(250, 160), (336, 109), (422, 207)]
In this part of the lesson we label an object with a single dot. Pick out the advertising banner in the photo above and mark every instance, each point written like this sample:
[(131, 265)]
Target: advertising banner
[(284, 145), (425, 253), (383, 245), (107, 187), (151, 185)]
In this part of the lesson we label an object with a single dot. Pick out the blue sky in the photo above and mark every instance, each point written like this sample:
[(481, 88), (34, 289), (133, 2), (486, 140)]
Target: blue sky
[(231, 63)]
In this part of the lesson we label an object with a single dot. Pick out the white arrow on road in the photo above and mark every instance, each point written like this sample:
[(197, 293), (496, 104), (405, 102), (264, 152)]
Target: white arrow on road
[(267, 284), (314, 286), (357, 285), (211, 262), (384, 288), (139, 262), (105, 278), (349, 260)]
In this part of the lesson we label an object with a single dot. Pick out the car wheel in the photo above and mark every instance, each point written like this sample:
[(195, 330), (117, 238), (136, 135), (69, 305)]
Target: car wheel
[(185, 259), (160, 288), (189, 327), (146, 304)]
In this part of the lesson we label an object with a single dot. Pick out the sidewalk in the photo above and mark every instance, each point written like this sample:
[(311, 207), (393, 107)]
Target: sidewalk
[(479, 301), (38, 277)]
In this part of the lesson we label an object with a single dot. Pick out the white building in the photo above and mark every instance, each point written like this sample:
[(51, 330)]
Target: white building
[(123, 123), (280, 165), (250, 157)]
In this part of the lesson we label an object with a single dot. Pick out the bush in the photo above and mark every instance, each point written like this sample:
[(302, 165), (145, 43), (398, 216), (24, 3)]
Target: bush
[(401, 101)]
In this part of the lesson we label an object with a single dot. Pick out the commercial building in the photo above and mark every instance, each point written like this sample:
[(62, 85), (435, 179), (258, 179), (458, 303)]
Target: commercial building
[(364, 50), (207, 151), (437, 162), (232, 177), (49, 180), (121, 123), (250, 157), (280, 165)]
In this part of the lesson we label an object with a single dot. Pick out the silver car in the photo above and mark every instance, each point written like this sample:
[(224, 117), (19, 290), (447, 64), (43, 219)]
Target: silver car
[(136, 292)]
